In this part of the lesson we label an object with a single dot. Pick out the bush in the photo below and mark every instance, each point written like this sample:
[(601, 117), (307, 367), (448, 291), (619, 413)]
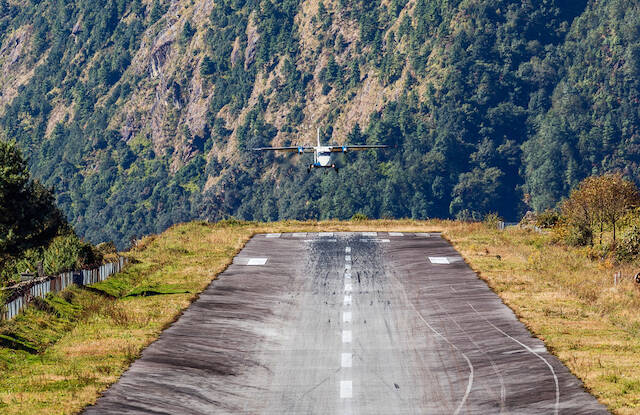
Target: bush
[(628, 248), (548, 219), (359, 217), (68, 252), (578, 234), (491, 220)]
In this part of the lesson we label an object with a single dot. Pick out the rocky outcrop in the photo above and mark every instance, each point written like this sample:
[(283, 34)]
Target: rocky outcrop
[(252, 41)]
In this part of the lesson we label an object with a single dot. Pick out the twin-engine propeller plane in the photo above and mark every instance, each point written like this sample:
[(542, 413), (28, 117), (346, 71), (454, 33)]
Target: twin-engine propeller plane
[(322, 155)]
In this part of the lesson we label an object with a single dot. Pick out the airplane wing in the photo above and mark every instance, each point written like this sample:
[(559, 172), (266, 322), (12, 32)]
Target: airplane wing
[(344, 149), (292, 149)]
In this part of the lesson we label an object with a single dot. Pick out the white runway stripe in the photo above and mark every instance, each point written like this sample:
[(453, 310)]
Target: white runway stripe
[(346, 336), (257, 261), (346, 317), (346, 389), (346, 360), (347, 250), (347, 300)]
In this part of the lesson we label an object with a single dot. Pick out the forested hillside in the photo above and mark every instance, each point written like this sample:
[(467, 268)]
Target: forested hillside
[(139, 113)]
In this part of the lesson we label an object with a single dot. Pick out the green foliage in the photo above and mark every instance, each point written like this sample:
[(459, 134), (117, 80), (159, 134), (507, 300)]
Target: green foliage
[(578, 234), (494, 99), (628, 247), (359, 217), (28, 215), (491, 220), (548, 219)]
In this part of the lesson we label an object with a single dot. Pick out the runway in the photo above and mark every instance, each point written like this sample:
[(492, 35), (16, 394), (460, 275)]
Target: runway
[(347, 323)]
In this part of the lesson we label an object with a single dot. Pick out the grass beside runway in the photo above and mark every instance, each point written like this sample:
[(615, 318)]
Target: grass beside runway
[(69, 348)]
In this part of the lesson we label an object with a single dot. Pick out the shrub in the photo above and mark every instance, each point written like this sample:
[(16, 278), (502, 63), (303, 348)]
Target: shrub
[(491, 220), (628, 248), (578, 234), (548, 219), (359, 217)]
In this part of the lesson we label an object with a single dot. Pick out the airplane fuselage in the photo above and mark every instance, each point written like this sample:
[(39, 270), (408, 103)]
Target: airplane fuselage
[(323, 157)]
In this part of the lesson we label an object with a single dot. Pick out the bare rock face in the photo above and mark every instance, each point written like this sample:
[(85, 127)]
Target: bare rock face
[(159, 57), (252, 41), (235, 53)]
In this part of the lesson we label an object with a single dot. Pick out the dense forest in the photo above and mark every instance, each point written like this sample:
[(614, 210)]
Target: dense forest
[(139, 114)]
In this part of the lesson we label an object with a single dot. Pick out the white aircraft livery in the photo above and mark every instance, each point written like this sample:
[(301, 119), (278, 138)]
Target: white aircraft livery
[(322, 155)]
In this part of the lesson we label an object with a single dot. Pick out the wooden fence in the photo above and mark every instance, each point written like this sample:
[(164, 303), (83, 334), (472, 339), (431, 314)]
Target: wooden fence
[(22, 293)]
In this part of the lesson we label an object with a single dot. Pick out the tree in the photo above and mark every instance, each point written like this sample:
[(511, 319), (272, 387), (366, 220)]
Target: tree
[(28, 215), (601, 199)]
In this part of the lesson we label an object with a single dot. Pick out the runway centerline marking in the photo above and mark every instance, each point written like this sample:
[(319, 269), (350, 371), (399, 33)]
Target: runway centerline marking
[(273, 235), (347, 275), (346, 360), (376, 240), (440, 260), (346, 389), (346, 317), (396, 234), (347, 258), (347, 250), (347, 266), (347, 300), (257, 261), (347, 336), (348, 287)]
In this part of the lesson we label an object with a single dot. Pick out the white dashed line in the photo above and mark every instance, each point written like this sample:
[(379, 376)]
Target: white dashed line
[(347, 258), (346, 317), (347, 266), (369, 233), (396, 234), (273, 235), (347, 287), (300, 235), (347, 299), (376, 240), (439, 260), (346, 389), (346, 336), (325, 234), (347, 275), (424, 235), (346, 360), (257, 261), (347, 250)]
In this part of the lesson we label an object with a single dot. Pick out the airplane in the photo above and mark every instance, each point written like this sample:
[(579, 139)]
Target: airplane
[(322, 155)]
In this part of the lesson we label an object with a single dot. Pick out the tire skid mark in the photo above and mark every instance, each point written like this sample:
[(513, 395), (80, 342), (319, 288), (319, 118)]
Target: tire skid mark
[(454, 347), (530, 350)]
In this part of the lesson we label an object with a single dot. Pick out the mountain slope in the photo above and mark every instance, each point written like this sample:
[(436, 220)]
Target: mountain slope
[(139, 113)]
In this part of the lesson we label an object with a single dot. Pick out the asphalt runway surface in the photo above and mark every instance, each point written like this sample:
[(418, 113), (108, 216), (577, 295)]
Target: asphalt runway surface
[(347, 323)]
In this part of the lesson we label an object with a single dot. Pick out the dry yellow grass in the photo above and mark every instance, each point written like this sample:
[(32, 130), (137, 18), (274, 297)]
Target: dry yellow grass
[(563, 297)]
